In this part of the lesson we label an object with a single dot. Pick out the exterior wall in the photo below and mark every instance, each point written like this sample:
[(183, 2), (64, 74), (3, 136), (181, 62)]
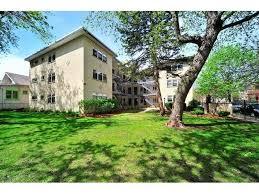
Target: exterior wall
[(165, 91), (21, 102), (92, 86), (69, 82)]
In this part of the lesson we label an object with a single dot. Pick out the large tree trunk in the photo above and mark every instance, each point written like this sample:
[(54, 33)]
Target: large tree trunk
[(159, 97), (206, 107), (212, 30)]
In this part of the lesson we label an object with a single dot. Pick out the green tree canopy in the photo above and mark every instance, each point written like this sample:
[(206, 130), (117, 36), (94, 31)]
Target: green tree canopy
[(10, 21), (228, 71)]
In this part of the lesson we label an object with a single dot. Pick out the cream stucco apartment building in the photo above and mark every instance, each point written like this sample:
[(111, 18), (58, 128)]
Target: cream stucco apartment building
[(79, 66), (76, 67)]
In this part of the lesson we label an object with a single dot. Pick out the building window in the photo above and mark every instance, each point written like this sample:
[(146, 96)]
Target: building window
[(104, 77), (42, 97), (53, 58), (174, 82), (123, 91), (135, 91), (24, 92), (34, 80), (51, 78), (169, 98), (129, 101), (99, 55), (171, 83), (100, 76), (135, 102), (51, 99), (36, 62), (104, 58), (8, 94), (42, 59), (34, 97), (113, 71), (95, 52), (42, 78), (15, 95), (129, 90), (94, 74)]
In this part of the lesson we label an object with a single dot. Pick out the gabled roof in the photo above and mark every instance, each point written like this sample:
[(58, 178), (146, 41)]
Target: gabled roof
[(67, 38), (16, 79)]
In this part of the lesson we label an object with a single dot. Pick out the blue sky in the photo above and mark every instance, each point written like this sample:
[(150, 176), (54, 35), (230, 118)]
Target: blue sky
[(63, 23)]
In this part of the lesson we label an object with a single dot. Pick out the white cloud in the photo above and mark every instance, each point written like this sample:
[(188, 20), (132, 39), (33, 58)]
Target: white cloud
[(13, 64)]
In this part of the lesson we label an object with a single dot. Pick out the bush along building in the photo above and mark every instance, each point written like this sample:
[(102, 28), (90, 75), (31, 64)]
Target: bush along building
[(79, 66)]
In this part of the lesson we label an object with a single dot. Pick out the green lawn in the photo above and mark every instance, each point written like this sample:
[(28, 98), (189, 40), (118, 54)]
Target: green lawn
[(128, 147)]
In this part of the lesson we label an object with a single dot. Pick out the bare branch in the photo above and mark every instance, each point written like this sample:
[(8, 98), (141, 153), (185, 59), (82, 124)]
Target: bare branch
[(184, 38), (245, 19), (168, 62)]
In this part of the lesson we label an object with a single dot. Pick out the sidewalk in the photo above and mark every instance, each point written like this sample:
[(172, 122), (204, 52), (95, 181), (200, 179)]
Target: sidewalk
[(245, 117)]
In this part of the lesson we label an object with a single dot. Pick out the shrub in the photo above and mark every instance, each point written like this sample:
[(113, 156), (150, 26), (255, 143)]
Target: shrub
[(197, 111), (192, 105), (98, 106), (169, 105), (223, 113)]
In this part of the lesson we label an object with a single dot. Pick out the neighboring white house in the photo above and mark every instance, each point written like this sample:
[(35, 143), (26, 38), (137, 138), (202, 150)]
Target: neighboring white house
[(14, 91), (168, 84)]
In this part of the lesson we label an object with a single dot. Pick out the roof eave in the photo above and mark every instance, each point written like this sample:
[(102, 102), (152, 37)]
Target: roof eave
[(65, 39)]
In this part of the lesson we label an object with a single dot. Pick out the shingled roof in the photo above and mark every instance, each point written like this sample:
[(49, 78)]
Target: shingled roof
[(18, 79)]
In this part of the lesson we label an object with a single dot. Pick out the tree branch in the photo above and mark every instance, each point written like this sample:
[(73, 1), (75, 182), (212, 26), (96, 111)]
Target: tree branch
[(184, 38), (247, 18)]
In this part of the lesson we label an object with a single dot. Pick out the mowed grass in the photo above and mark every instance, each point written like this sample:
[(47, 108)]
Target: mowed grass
[(128, 147)]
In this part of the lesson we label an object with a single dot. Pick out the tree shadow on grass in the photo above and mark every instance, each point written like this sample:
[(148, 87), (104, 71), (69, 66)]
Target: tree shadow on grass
[(228, 154), (78, 162), (45, 129)]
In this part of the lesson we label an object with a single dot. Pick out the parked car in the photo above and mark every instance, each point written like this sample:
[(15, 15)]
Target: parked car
[(256, 110), (236, 107), (248, 110)]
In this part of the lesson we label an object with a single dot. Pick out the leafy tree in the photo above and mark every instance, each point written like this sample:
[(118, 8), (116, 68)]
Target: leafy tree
[(29, 20), (203, 31), (227, 72), (146, 38)]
